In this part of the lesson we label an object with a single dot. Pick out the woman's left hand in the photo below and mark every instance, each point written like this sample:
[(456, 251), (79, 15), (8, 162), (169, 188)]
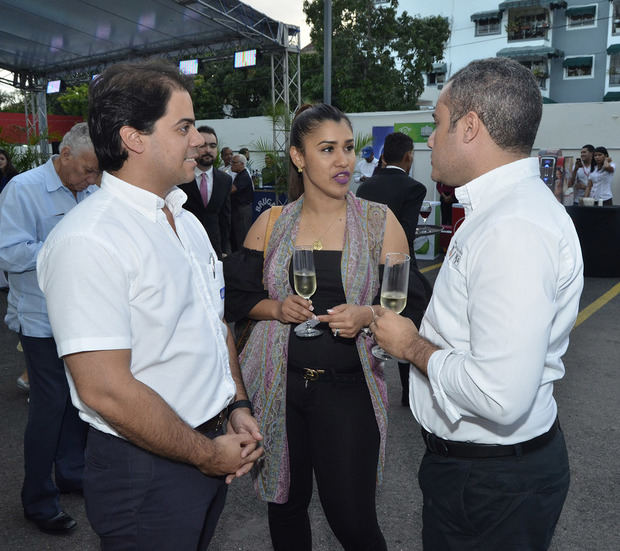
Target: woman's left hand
[(346, 319)]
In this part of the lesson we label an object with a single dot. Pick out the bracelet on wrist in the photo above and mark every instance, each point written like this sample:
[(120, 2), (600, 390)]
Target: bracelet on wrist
[(240, 404)]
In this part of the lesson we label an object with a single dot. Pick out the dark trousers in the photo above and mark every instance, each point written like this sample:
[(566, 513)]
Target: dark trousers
[(136, 500), (331, 429), (508, 503), (240, 222), (55, 435)]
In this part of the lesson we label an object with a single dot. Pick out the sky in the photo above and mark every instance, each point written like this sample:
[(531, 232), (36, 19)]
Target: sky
[(290, 12)]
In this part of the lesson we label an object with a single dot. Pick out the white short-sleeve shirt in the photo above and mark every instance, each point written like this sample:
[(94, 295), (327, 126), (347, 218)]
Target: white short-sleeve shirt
[(116, 276)]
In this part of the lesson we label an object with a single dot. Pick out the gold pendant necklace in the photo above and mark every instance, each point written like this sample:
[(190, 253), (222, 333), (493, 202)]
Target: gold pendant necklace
[(317, 244)]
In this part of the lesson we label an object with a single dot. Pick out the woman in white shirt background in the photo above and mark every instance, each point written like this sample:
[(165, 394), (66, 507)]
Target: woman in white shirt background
[(581, 172), (601, 178)]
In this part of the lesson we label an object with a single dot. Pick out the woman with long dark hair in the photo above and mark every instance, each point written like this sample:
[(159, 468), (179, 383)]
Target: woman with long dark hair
[(599, 183), (7, 170), (321, 402)]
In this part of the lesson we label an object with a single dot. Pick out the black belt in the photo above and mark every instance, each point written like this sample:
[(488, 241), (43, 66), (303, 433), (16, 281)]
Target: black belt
[(212, 425), (469, 450), (327, 375)]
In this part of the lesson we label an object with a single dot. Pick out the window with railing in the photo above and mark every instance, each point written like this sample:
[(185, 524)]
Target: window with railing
[(615, 18), (433, 78), (581, 16), (578, 67), (614, 69), (527, 24), (539, 69), (488, 25)]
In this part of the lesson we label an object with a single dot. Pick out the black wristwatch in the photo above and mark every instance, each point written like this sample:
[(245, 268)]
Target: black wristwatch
[(240, 404)]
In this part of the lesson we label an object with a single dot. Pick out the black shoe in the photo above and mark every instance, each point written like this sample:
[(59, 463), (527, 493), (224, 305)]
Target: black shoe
[(62, 523)]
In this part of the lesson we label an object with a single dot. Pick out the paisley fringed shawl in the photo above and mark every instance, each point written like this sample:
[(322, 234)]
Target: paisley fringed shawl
[(264, 358)]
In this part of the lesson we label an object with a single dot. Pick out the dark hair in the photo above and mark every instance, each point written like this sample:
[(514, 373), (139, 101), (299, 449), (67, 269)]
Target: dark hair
[(601, 149), (129, 94), (207, 130), (590, 148), (396, 146), (9, 170), (505, 96), (243, 151), (307, 118)]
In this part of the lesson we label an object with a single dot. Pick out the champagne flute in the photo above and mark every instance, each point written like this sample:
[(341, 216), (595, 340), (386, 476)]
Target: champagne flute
[(425, 211), (393, 290), (304, 278)]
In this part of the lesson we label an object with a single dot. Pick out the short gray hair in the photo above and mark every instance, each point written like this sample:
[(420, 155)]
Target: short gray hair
[(77, 139), (505, 96), (239, 157)]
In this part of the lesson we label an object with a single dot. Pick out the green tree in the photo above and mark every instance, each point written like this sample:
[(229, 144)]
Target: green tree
[(74, 101), (377, 57)]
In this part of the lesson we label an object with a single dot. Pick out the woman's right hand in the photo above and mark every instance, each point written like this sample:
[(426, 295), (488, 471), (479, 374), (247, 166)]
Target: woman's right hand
[(295, 309)]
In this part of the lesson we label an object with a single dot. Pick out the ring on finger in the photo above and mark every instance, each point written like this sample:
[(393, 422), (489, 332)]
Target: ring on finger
[(336, 332)]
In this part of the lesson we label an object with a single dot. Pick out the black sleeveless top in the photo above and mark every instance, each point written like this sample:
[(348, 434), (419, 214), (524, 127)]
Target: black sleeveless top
[(325, 350)]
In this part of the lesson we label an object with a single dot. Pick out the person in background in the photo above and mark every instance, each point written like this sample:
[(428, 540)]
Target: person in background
[(447, 199), (365, 167), (226, 155), (581, 172), (31, 204), (268, 173), (135, 295), (7, 170), (246, 153), (403, 195), (320, 401), (208, 194), (495, 474), (242, 196), (601, 178)]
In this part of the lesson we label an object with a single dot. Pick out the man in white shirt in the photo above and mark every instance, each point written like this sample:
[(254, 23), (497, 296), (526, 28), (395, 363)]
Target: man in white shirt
[(364, 168), (489, 349), (135, 296), (31, 204)]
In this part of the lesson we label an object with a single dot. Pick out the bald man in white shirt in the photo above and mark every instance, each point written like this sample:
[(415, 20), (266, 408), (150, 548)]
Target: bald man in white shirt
[(495, 475)]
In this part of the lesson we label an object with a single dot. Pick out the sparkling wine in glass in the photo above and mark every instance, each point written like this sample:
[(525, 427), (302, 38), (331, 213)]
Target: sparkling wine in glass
[(425, 210), (393, 290), (304, 278)]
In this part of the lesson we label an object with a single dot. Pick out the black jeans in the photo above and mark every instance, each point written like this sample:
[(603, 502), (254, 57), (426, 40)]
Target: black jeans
[(507, 503), (331, 429)]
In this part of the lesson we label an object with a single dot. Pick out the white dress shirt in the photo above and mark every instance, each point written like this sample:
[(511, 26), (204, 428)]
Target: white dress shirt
[(503, 305), (116, 276)]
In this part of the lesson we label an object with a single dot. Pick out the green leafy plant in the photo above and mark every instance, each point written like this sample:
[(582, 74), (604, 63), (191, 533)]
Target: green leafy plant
[(24, 157)]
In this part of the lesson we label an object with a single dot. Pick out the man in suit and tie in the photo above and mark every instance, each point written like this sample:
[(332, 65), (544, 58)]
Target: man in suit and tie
[(403, 195), (208, 194)]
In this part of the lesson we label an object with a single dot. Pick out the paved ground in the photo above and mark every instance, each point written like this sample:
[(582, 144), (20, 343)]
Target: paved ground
[(589, 409)]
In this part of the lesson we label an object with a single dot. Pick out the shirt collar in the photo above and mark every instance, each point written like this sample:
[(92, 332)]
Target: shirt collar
[(485, 190), (208, 172), (145, 202), (396, 167)]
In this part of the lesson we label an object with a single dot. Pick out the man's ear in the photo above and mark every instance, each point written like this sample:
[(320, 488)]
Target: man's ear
[(471, 125), (65, 153), (132, 139)]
